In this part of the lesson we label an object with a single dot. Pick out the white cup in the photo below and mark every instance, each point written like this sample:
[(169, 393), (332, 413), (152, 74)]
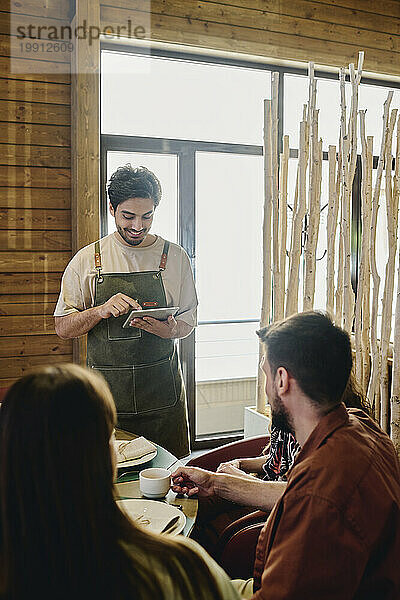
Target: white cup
[(154, 483)]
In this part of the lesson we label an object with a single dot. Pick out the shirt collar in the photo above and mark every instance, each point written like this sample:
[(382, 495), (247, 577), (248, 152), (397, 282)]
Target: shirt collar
[(335, 419)]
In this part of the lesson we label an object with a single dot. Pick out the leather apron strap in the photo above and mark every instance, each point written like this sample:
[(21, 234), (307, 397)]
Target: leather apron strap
[(98, 265)]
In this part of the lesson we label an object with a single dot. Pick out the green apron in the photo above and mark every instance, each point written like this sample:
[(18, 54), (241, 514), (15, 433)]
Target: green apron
[(142, 369)]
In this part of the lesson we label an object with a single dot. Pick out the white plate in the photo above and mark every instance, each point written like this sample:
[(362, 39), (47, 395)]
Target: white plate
[(153, 515), (137, 461)]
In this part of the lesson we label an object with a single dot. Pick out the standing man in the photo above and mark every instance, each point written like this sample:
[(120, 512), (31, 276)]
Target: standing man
[(133, 269), (334, 532)]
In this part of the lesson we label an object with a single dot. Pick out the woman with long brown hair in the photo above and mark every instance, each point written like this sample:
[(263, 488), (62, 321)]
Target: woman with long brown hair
[(62, 535)]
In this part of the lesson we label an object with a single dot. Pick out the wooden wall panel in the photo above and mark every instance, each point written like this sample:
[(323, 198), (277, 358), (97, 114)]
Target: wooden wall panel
[(38, 112), (29, 219), (21, 325), (35, 240), (357, 13), (330, 33), (29, 283), (13, 309), (27, 133), (269, 22), (35, 177), (38, 345), (33, 262), (21, 366), (54, 9), (31, 198), (35, 91), (55, 72), (35, 193), (35, 156)]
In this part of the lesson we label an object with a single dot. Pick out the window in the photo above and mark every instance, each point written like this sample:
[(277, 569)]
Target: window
[(202, 136), (154, 96), (198, 123)]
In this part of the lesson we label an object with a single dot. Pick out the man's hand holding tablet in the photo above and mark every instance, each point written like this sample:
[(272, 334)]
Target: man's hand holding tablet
[(158, 321)]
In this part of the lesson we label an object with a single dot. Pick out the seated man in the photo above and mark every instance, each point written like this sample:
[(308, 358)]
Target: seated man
[(278, 457), (334, 531)]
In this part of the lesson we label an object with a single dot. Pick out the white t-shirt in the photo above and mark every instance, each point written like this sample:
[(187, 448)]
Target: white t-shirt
[(78, 282)]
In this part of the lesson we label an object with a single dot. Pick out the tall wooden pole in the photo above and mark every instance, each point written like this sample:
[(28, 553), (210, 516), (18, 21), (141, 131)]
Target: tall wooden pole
[(342, 161), (297, 226), (387, 301), (395, 395), (267, 266), (366, 310), (364, 274), (300, 205), (347, 182), (277, 289), (374, 387), (283, 186), (314, 209), (331, 226)]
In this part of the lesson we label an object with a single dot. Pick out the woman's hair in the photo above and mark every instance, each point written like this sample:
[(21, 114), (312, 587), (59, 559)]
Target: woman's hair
[(62, 535), (353, 396)]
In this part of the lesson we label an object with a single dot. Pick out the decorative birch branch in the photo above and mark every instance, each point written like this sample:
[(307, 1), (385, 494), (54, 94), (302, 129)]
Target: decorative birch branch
[(300, 208), (331, 226), (387, 300), (395, 395), (267, 267), (297, 226), (374, 387), (277, 289), (366, 310), (346, 232), (363, 276), (314, 209), (342, 160), (347, 182), (283, 185)]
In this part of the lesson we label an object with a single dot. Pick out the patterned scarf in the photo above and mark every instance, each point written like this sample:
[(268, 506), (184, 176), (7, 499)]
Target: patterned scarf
[(281, 454)]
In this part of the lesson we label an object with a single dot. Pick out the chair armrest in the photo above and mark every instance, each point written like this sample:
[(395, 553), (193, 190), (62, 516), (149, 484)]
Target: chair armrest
[(238, 555), (258, 517)]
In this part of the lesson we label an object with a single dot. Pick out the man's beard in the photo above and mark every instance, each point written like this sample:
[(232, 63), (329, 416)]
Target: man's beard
[(281, 419), (129, 240)]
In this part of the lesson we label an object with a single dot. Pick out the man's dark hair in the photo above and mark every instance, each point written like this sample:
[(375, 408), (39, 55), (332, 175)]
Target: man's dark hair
[(314, 351), (129, 182)]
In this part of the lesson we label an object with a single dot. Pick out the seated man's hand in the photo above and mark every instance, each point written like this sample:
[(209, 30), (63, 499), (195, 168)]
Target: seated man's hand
[(224, 467), (230, 469), (192, 480)]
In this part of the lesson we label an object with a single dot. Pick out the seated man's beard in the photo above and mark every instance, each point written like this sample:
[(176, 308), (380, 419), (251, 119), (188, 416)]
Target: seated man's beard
[(280, 416)]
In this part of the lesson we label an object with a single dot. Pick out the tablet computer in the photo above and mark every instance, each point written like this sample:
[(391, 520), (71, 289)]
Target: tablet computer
[(161, 314)]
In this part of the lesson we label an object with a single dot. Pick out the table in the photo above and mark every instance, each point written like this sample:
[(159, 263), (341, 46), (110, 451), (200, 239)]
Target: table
[(127, 486)]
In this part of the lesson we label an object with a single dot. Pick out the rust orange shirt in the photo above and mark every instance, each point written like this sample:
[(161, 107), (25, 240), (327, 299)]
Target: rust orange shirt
[(335, 533)]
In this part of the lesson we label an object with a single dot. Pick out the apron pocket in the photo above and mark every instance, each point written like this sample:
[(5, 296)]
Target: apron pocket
[(115, 331), (155, 386), (120, 380)]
